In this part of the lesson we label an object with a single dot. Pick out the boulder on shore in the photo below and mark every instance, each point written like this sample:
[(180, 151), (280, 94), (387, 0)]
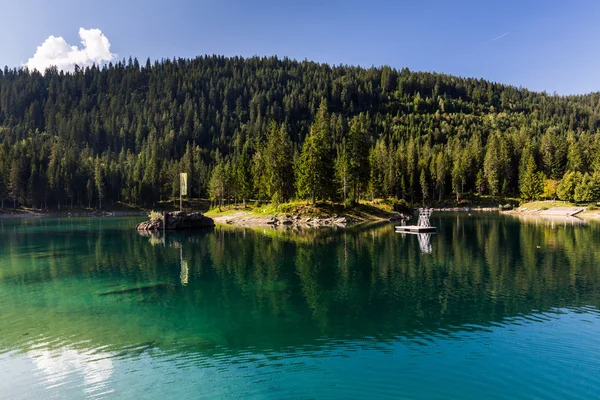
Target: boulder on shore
[(177, 220)]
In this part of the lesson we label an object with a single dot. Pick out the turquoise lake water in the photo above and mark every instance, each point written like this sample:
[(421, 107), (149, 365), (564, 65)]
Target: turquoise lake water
[(490, 307)]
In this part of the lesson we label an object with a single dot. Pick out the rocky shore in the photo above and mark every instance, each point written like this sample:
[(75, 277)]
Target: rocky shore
[(291, 221), (178, 220)]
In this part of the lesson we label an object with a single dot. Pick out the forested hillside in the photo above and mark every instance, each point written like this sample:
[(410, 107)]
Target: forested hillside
[(274, 129)]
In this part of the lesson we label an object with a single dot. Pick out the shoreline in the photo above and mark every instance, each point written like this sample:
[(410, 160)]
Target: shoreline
[(250, 219), (532, 210), (69, 214)]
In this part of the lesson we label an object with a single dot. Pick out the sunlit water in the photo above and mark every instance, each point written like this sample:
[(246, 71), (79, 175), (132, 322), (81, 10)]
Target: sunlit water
[(489, 307)]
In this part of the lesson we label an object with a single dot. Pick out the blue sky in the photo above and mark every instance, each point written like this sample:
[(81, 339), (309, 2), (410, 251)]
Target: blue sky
[(551, 45)]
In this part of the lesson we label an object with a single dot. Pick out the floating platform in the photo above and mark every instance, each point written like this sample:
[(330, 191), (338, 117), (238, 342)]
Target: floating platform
[(415, 229)]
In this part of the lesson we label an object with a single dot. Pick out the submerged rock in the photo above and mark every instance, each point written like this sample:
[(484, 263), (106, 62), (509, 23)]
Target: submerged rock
[(177, 220), (142, 289)]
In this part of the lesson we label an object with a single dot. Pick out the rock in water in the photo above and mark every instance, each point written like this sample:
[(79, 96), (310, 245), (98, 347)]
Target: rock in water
[(178, 220)]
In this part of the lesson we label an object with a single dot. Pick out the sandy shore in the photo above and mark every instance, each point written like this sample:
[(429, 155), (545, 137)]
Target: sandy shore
[(539, 213)]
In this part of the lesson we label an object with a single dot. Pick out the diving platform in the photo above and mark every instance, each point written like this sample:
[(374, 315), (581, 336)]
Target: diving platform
[(415, 229), (423, 225)]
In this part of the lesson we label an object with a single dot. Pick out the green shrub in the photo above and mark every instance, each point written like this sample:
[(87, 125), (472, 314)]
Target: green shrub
[(401, 206), (154, 215)]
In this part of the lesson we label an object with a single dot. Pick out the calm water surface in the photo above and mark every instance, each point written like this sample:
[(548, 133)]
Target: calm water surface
[(490, 307)]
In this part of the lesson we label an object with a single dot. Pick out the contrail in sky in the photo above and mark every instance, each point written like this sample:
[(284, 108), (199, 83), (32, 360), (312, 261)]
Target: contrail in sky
[(501, 36)]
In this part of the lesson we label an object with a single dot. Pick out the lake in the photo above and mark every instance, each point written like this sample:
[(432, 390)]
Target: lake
[(489, 307)]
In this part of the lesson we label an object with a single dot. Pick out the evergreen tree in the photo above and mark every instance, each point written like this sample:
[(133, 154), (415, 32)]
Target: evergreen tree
[(99, 181), (15, 180), (279, 167), (218, 182), (531, 183), (358, 155), (459, 173), (315, 165), (244, 174), (342, 167), (584, 191), (492, 166), (3, 176), (574, 156), (441, 170), (424, 187), (567, 185)]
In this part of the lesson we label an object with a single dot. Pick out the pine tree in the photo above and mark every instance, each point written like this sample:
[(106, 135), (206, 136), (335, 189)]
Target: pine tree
[(342, 167), (492, 167), (244, 174), (358, 155), (567, 185), (378, 164), (531, 182), (99, 181), (574, 155), (279, 167), (218, 182), (315, 169), (584, 191), (441, 171), (15, 180), (459, 173), (424, 186), (3, 175)]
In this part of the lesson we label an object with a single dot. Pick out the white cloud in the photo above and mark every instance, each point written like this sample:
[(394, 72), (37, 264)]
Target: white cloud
[(55, 51)]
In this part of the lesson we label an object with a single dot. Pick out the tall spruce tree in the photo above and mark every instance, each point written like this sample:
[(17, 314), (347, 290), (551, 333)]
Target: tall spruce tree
[(531, 182), (315, 169), (279, 166)]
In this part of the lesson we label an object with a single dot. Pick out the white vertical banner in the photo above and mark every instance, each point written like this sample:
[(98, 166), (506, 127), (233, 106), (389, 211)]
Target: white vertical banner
[(183, 183)]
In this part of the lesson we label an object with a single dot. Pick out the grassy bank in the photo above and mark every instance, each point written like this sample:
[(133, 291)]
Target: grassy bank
[(364, 211)]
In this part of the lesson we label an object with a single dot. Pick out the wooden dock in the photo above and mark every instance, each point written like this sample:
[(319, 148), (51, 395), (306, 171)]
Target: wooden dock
[(415, 229)]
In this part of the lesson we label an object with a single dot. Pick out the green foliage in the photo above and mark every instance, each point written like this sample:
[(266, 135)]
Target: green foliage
[(271, 129), (315, 169), (401, 206), (218, 182), (279, 166), (585, 190), (550, 188), (531, 182), (568, 184), (154, 215), (424, 186)]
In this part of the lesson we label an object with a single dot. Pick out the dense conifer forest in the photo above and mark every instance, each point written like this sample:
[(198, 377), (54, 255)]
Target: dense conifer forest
[(274, 129)]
